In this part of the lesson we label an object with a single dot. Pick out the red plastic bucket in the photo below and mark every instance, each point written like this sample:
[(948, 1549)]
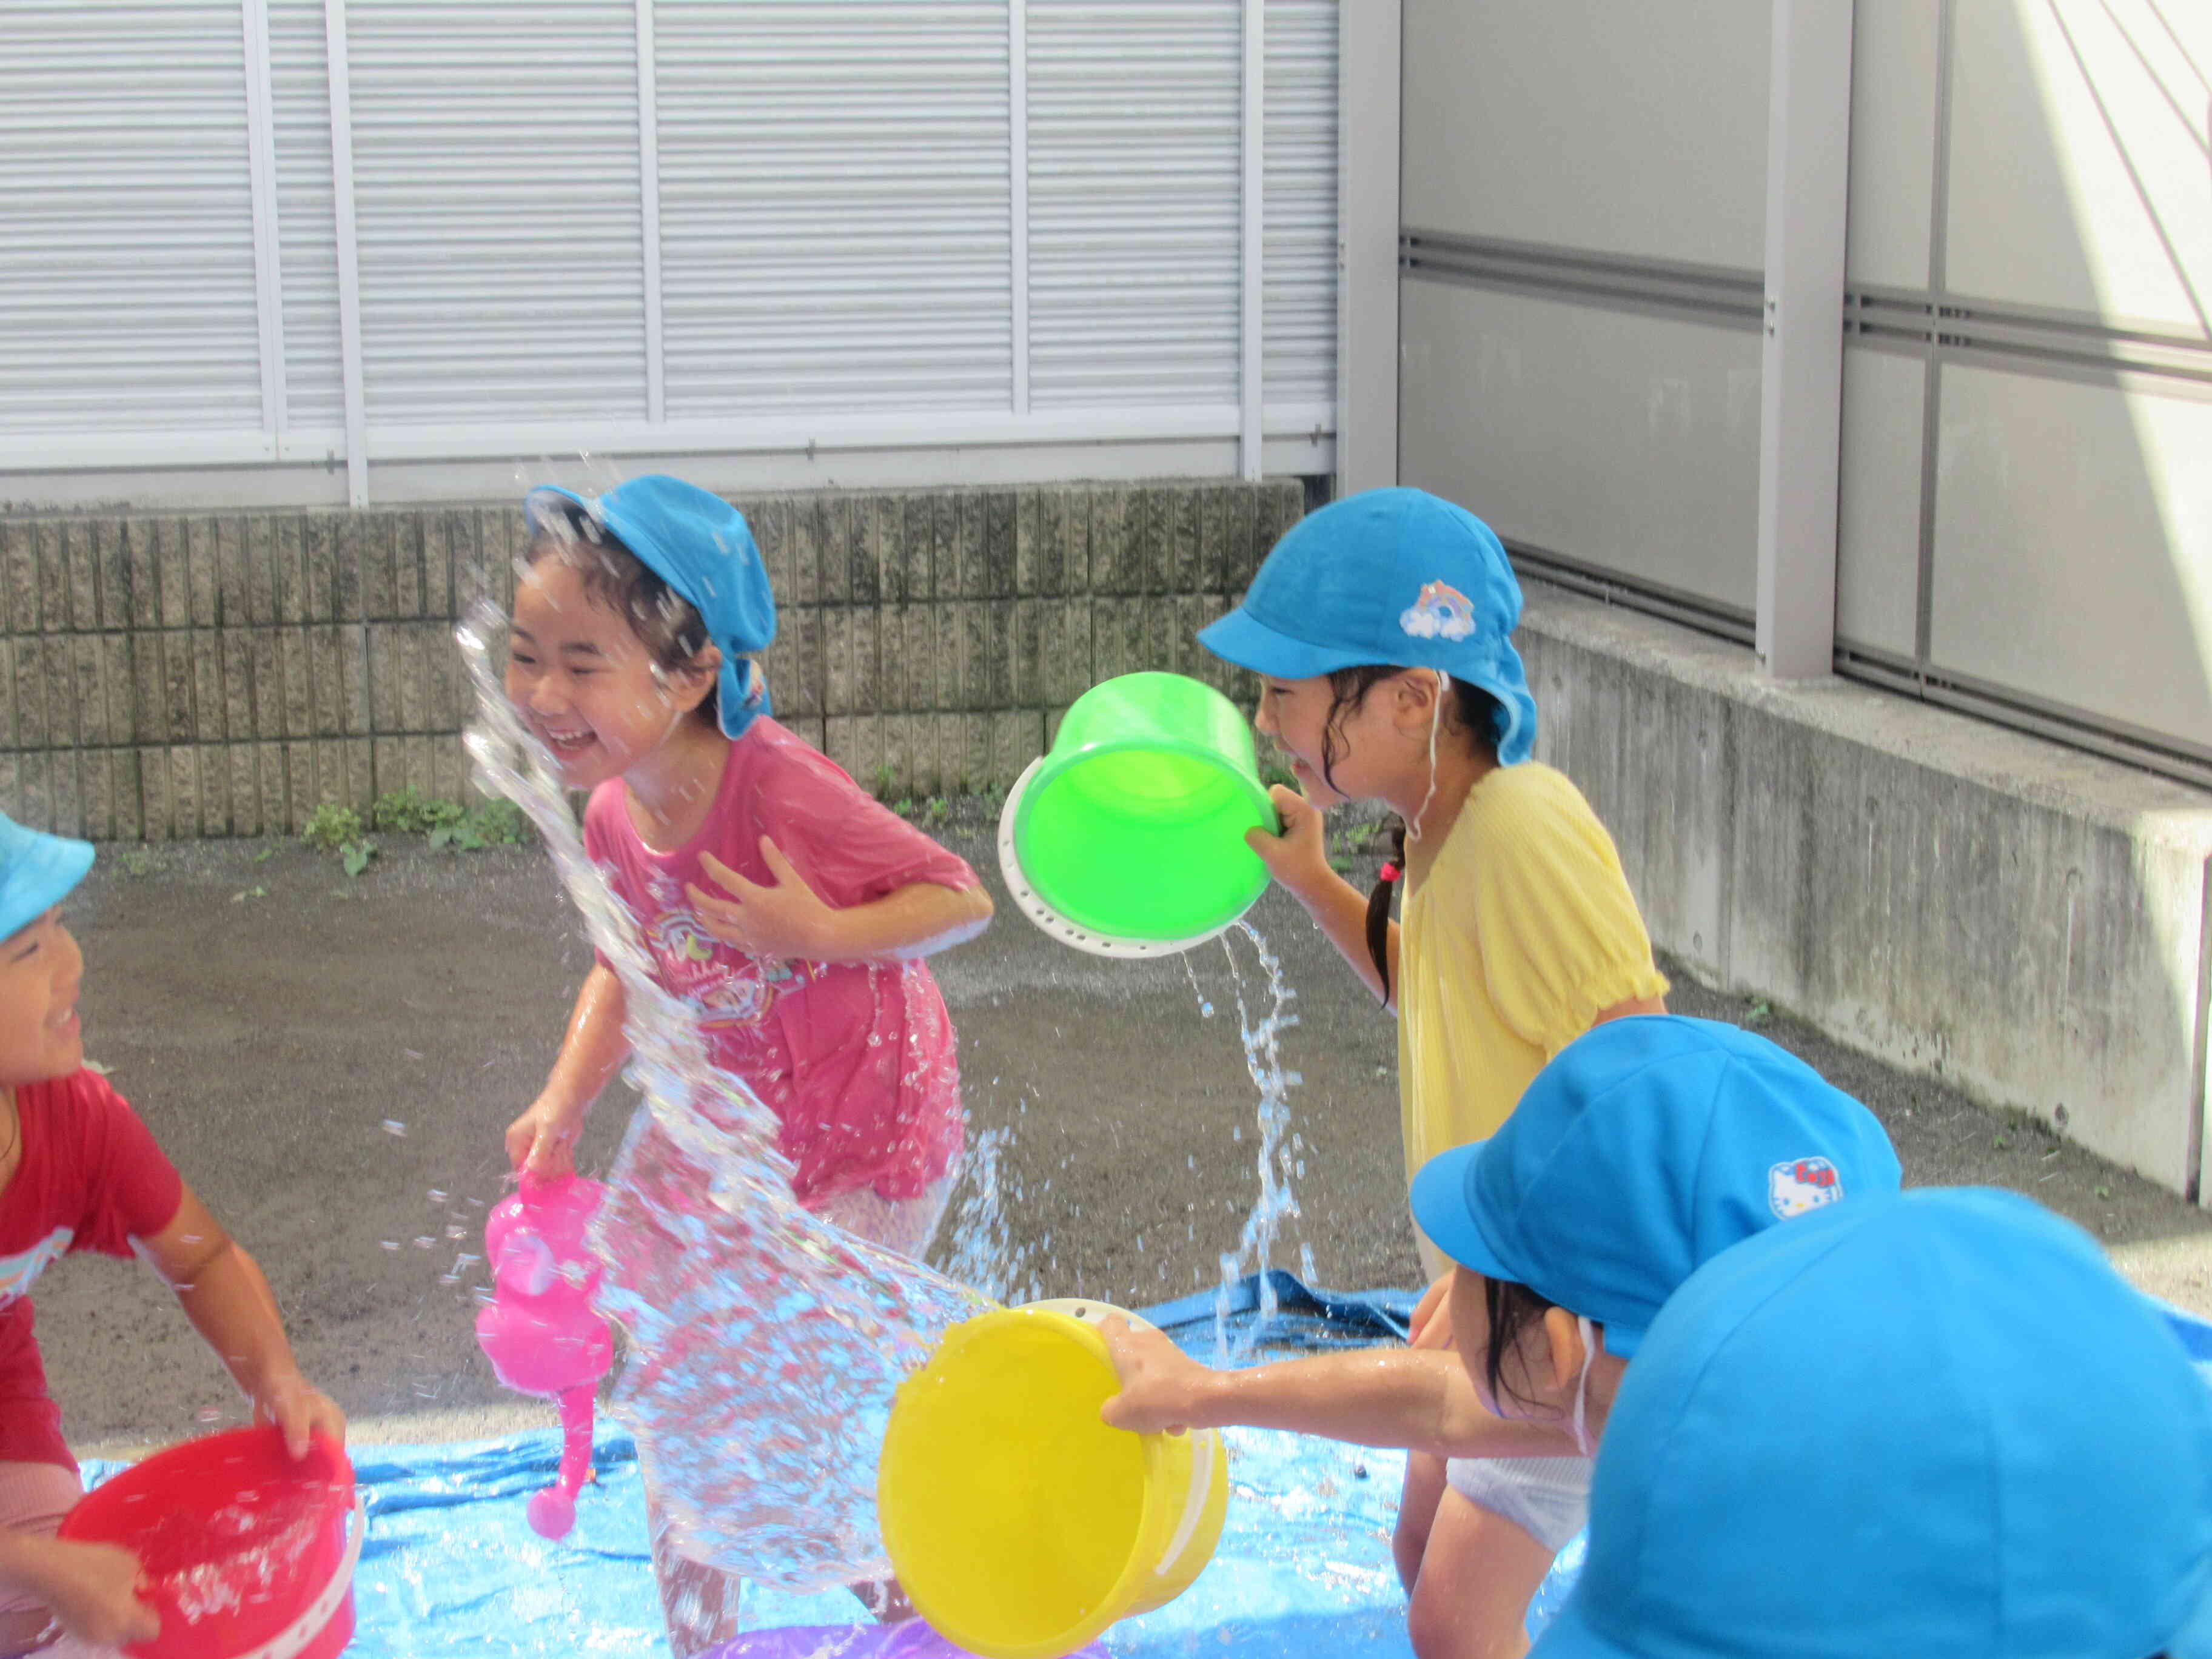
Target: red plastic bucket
[(247, 1553)]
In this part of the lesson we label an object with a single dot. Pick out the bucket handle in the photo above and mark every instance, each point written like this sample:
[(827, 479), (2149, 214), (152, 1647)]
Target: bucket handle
[(290, 1641), (1194, 1501)]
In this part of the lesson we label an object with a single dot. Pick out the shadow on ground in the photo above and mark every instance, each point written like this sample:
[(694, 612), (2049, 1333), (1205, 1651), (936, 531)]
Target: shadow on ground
[(332, 1061)]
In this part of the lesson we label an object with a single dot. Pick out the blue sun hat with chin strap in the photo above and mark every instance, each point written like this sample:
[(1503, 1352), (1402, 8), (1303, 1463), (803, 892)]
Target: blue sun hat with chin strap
[(1388, 576), (701, 547), (1935, 1424), (1645, 1148), (37, 872)]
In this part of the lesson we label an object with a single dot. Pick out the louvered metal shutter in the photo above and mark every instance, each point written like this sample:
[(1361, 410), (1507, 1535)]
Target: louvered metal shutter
[(834, 206), (1299, 315), (307, 222), (1135, 143), (498, 202), (127, 293)]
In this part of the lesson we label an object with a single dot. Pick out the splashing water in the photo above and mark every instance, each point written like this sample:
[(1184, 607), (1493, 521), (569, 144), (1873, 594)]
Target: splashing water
[(1277, 1203), (765, 1343)]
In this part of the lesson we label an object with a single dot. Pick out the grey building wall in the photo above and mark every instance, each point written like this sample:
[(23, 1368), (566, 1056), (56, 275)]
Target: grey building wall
[(221, 674)]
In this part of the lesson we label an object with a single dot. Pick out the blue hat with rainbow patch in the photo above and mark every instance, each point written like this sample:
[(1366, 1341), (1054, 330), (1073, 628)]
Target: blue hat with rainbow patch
[(1388, 576), (701, 547), (37, 872)]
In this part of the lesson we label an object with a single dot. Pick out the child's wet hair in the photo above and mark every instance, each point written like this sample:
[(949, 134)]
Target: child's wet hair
[(1511, 1308), (1471, 709), (663, 622)]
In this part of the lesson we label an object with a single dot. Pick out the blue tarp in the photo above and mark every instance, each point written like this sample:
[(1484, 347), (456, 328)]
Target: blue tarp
[(451, 1566)]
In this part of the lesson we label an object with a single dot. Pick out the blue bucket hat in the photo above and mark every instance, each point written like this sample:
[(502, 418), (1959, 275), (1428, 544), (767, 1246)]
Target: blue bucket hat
[(1388, 576), (37, 872), (701, 547), (1937, 1424), (1647, 1146)]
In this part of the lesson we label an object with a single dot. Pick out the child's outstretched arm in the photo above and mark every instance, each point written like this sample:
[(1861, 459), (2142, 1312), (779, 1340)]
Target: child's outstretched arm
[(90, 1589), (542, 1140), (786, 918), (230, 1303), (1421, 1401), (1298, 859)]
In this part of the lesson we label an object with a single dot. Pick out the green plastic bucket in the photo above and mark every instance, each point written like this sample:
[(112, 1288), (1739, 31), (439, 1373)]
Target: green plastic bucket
[(1128, 838)]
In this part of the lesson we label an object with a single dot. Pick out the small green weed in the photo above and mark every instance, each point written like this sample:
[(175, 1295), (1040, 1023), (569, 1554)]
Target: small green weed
[(488, 824), (903, 806), (409, 812), (1758, 1012), (887, 775), (2104, 1191), (137, 863), (331, 827), (935, 811), (2002, 1143), (355, 854), (264, 855), (250, 893)]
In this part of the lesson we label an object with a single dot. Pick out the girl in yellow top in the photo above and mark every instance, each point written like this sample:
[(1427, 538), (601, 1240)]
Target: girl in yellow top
[(1380, 628)]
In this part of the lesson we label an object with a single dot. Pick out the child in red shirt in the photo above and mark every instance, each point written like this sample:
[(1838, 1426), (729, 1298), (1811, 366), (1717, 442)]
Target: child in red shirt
[(78, 1171)]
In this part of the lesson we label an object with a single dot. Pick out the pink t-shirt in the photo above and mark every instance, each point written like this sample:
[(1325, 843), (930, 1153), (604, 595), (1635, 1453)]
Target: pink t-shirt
[(91, 1178), (856, 1060)]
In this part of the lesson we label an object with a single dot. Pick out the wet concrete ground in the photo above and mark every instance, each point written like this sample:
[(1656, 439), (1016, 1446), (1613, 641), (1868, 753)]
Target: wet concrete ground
[(272, 1017)]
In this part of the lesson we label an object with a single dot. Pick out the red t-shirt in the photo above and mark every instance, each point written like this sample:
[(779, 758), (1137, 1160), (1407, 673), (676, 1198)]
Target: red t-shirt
[(91, 1178), (856, 1060)]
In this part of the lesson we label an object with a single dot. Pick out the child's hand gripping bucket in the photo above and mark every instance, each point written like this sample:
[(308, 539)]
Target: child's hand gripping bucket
[(1020, 1525), (1128, 840), (245, 1553)]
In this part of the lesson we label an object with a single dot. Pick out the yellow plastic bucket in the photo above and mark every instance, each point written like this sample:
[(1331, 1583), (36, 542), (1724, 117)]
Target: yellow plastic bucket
[(1020, 1525)]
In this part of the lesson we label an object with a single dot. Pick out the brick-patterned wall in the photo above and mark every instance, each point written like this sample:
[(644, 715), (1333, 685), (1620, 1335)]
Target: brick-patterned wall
[(224, 674)]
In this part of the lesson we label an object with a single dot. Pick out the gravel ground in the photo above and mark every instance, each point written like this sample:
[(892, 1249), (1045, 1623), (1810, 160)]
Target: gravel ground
[(330, 1062)]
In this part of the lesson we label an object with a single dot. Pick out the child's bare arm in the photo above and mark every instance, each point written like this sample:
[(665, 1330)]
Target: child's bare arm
[(1394, 1397), (786, 917), (90, 1588), (542, 1140), (228, 1302)]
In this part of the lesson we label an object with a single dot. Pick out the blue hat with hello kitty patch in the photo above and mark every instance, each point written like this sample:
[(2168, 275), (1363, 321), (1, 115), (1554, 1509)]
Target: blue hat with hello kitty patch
[(1647, 1146), (1388, 576), (1936, 1425)]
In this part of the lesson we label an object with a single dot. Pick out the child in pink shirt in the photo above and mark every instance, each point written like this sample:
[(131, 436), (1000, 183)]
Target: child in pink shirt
[(785, 907)]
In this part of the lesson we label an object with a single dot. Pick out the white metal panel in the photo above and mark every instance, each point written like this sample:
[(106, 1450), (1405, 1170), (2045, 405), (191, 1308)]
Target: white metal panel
[(308, 260), (1878, 515), (495, 178), (2079, 135), (835, 205), (1298, 312), (127, 296), (1620, 441), (1893, 65), (2074, 546), (1134, 201), (1598, 124)]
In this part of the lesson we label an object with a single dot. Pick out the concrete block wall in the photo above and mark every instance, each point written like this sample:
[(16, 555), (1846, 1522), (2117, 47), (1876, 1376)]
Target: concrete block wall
[(2027, 921), (166, 675)]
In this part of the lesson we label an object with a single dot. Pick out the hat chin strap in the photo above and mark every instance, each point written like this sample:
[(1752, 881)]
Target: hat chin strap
[(1435, 716), (1580, 1428)]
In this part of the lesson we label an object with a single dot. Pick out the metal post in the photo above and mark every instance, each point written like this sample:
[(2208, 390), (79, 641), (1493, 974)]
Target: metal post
[(648, 184), (357, 415), (1801, 420), (1251, 434), (1370, 76)]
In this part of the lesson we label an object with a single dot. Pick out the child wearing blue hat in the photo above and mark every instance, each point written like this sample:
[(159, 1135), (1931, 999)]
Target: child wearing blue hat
[(788, 908), (1937, 1424), (78, 1171), (1381, 627), (1648, 1147)]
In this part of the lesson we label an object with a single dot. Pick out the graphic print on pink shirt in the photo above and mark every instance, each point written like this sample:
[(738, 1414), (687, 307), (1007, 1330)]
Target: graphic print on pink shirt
[(856, 1060)]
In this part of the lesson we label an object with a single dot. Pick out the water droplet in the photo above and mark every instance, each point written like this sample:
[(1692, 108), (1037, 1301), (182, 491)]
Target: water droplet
[(389, 1243), (392, 1126)]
